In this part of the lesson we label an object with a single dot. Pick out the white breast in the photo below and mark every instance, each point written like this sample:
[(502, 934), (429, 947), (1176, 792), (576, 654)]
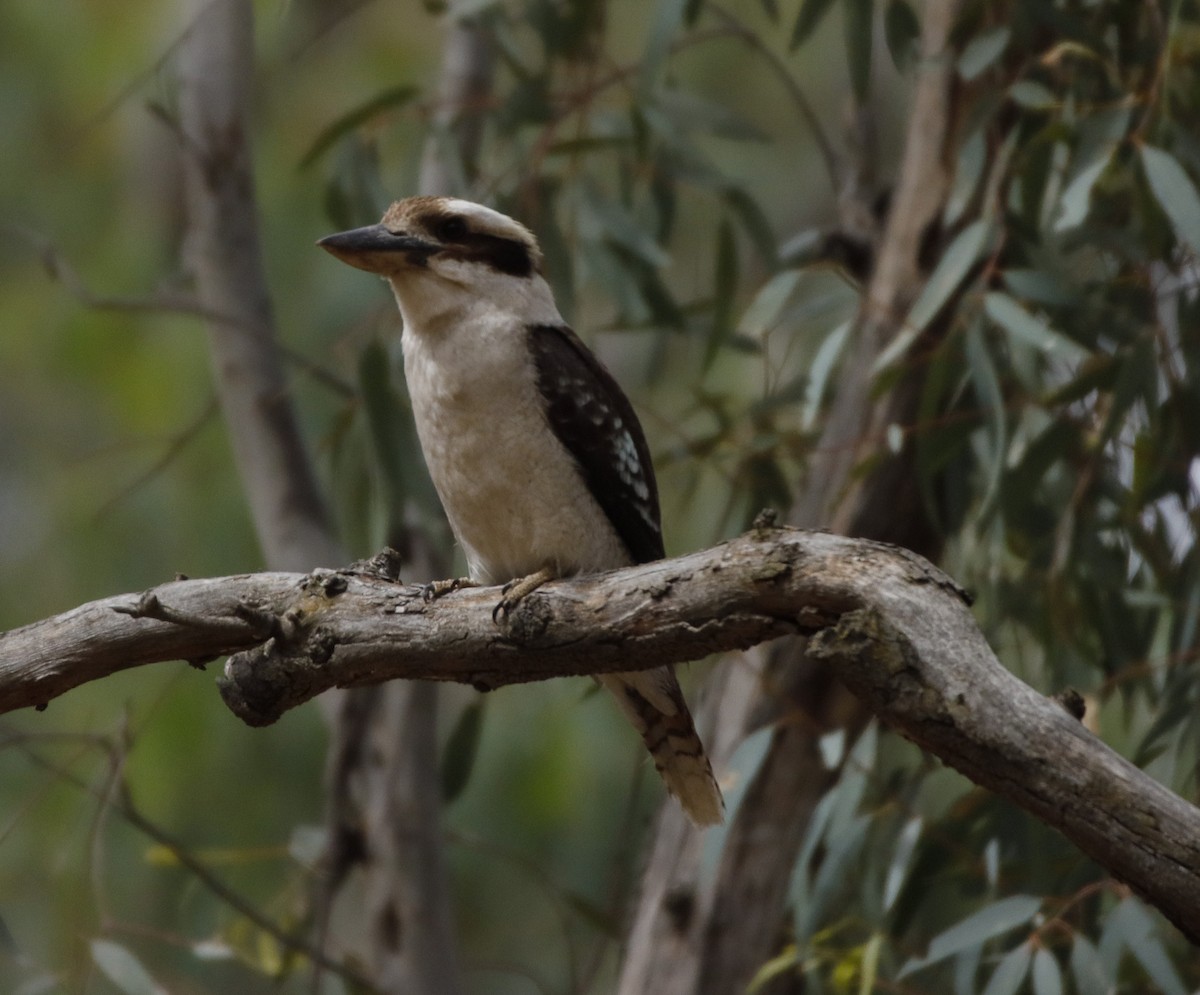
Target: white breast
[(513, 494)]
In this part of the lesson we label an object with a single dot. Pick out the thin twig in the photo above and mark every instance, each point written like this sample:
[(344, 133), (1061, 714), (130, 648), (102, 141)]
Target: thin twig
[(121, 801)]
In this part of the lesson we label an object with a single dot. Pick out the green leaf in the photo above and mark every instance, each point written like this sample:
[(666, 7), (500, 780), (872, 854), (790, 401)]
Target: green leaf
[(1087, 969), (1010, 972), (1047, 978), (973, 158), (755, 223), (843, 856), (1175, 192), (1132, 925), (1030, 329), (951, 270), (387, 420), (901, 29), (741, 770), (668, 19), (858, 24), (991, 402), (1040, 286), (123, 969), (604, 218), (691, 112), (763, 312), (906, 844), (982, 51), (462, 747), (771, 9), (989, 922), (821, 371), (725, 276), (1076, 199), (395, 96), (812, 13), (1032, 95)]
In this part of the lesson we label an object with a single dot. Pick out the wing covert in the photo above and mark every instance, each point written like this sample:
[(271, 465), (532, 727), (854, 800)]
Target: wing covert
[(594, 420)]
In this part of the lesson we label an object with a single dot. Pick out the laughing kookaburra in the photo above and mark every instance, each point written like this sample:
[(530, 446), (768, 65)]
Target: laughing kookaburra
[(537, 455)]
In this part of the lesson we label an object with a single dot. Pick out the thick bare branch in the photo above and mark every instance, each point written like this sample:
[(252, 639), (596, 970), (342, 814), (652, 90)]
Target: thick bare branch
[(897, 630)]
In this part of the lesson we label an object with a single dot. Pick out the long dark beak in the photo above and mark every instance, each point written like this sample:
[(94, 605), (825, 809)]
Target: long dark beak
[(374, 248)]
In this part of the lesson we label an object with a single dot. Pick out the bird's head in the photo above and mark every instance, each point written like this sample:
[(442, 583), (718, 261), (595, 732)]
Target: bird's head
[(440, 253)]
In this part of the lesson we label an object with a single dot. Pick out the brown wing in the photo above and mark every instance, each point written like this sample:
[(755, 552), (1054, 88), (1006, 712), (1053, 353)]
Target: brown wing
[(593, 419)]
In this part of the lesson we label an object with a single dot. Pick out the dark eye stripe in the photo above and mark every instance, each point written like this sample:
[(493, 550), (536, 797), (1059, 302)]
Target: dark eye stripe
[(505, 255)]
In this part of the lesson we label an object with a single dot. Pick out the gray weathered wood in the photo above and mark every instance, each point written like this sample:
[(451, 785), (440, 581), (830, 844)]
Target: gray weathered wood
[(898, 631)]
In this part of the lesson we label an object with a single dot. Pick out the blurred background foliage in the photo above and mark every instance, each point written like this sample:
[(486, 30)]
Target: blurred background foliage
[(675, 158)]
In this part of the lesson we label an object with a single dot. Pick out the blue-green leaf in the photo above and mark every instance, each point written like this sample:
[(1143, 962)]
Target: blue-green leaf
[(123, 969), (1132, 926), (1028, 328), (951, 270), (901, 29), (668, 19), (1032, 94), (991, 921), (1175, 192), (821, 370), (1010, 972), (462, 747), (725, 275), (858, 24), (741, 770), (982, 51), (812, 12), (1047, 978), (395, 96), (1087, 969), (1076, 199), (906, 844), (986, 382)]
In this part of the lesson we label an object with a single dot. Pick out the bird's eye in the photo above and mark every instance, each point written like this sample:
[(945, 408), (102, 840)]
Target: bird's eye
[(452, 229)]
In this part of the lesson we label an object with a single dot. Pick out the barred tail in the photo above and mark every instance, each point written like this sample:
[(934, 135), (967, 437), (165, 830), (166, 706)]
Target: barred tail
[(654, 704)]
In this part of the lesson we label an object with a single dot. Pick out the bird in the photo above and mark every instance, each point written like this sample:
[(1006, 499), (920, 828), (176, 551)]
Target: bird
[(537, 455)]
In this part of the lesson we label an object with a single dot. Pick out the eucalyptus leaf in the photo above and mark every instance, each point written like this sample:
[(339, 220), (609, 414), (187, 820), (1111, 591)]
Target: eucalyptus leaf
[(1031, 329), (1087, 969), (123, 969), (982, 51), (462, 747), (1010, 972), (858, 24), (1175, 192), (957, 261), (1032, 94), (1047, 977), (741, 770), (725, 277), (812, 13), (668, 19), (392, 97), (1138, 933), (901, 31), (976, 929), (1076, 199), (902, 852)]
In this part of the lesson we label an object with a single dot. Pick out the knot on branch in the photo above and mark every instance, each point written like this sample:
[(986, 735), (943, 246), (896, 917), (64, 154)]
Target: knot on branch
[(259, 685)]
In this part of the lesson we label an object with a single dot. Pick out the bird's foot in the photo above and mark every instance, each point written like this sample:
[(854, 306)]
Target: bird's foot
[(436, 588), (518, 588)]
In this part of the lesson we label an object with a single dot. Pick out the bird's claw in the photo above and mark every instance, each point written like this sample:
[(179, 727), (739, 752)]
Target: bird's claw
[(517, 589), (437, 588)]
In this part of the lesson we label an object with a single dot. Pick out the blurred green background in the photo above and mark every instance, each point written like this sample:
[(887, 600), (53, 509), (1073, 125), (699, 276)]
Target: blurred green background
[(679, 174)]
